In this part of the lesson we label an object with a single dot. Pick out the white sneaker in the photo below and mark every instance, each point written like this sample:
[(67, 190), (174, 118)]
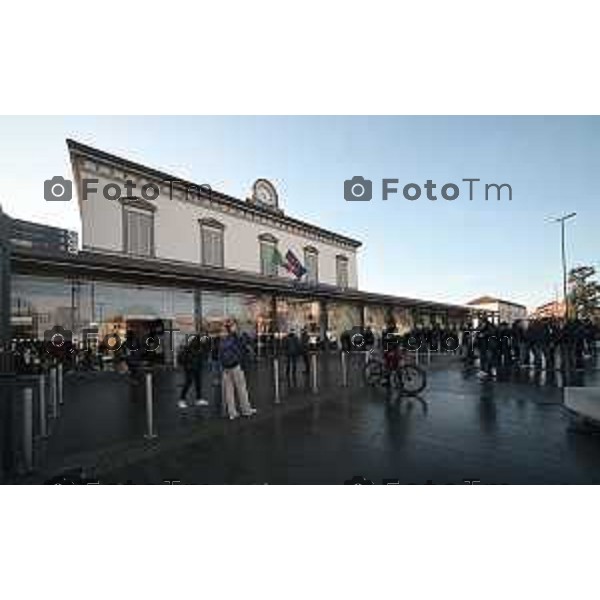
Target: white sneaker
[(251, 412), (182, 404), (232, 417), (201, 402)]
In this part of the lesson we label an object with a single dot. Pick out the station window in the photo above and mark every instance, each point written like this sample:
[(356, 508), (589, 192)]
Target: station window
[(269, 255), (311, 264), (212, 243), (341, 271), (138, 230)]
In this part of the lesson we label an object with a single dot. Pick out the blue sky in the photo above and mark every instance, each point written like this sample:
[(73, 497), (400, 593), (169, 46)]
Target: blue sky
[(450, 251)]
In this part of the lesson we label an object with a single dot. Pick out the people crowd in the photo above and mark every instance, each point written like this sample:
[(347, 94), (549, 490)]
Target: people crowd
[(547, 344), (542, 343)]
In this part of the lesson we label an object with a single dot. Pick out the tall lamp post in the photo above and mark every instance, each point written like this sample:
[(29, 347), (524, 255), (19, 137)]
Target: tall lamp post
[(562, 221)]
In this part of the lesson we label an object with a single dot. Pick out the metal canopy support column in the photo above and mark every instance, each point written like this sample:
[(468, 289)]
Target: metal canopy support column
[(274, 323), (197, 309), (323, 319)]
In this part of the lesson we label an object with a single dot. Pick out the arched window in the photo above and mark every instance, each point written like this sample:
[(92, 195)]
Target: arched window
[(311, 264), (341, 271), (270, 259)]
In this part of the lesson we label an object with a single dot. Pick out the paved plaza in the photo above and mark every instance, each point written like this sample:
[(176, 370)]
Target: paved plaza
[(505, 431), (497, 433)]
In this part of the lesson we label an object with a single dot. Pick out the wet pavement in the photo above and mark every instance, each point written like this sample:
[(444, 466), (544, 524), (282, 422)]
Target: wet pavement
[(104, 419), (511, 430), (496, 432)]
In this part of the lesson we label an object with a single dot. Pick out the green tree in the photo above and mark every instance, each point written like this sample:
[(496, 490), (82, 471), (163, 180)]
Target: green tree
[(584, 293)]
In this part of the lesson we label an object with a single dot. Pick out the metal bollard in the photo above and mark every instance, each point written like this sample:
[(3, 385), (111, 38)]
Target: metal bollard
[(344, 370), (150, 434), (28, 429), (53, 393), (59, 383), (43, 412), (276, 380), (313, 368)]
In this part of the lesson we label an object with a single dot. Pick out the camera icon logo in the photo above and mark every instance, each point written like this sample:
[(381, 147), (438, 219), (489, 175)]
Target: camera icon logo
[(58, 342), (358, 188), (358, 339), (58, 189)]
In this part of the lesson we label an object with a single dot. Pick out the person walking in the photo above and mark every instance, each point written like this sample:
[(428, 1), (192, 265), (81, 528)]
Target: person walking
[(549, 338), (216, 377), (505, 345), (231, 354), (564, 345), (487, 342), (293, 349), (517, 340), (579, 334), (467, 343), (305, 347), (536, 338), (191, 358)]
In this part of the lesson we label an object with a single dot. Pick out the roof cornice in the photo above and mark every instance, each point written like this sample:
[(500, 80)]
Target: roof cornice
[(77, 149)]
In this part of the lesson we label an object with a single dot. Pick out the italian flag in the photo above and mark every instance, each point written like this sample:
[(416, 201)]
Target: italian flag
[(278, 261)]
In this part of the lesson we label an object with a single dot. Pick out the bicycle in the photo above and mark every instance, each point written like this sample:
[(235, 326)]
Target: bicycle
[(406, 378)]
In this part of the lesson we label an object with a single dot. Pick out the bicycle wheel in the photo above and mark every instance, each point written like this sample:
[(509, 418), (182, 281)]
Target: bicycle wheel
[(373, 372), (413, 379), (395, 379)]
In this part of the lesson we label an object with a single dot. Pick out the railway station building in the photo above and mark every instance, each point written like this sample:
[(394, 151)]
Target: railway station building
[(156, 247)]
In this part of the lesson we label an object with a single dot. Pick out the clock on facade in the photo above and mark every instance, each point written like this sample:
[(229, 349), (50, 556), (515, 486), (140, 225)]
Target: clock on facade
[(264, 192)]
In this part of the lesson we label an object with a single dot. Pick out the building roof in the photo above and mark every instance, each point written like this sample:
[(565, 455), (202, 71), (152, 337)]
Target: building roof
[(550, 304), (491, 300), (554, 308), (82, 150), (28, 234)]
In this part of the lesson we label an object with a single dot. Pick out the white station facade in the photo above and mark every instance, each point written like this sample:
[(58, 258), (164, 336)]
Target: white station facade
[(156, 247)]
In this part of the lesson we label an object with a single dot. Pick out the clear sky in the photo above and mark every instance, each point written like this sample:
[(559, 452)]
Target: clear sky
[(449, 251)]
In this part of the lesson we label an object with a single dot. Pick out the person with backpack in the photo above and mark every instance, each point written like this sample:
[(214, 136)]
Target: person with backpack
[(191, 358), (231, 354), (304, 349), (293, 349)]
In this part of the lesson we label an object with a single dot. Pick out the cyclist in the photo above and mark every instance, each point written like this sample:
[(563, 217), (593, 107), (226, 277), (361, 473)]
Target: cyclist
[(391, 350)]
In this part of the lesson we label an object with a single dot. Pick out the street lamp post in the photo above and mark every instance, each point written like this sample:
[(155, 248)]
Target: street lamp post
[(562, 221)]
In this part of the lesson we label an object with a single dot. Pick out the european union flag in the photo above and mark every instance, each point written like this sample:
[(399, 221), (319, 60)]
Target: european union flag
[(294, 265)]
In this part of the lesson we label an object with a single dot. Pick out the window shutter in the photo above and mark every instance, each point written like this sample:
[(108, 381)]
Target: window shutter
[(342, 271), (311, 263), (267, 258), (212, 246), (139, 233)]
